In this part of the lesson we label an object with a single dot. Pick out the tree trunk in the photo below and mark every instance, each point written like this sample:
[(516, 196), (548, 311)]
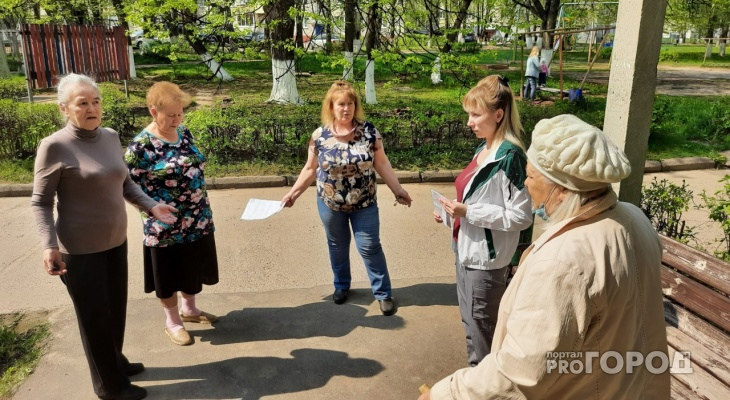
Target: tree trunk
[(373, 32), (349, 11), (460, 18), (723, 42), (708, 50), (4, 68), (551, 20), (284, 89), (215, 67), (348, 46), (299, 38)]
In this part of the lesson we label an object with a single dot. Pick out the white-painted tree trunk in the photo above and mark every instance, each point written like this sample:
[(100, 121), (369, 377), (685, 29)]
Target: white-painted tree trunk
[(370, 97), (132, 67), (347, 72), (528, 41), (284, 90), (436, 71), (708, 50), (722, 49), (460, 38), (539, 42), (215, 67), (356, 44)]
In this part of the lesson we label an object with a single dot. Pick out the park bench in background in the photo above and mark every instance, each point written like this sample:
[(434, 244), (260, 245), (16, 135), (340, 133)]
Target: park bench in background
[(697, 313)]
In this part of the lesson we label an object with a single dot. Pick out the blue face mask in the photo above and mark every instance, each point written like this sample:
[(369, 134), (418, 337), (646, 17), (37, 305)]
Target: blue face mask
[(540, 211)]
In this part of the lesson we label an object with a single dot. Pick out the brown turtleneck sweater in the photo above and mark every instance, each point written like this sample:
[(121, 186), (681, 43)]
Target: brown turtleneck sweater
[(86, 171)]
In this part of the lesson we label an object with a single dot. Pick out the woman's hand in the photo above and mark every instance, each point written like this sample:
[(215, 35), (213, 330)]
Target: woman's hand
[(164, 212), (52, 257), (288, 200), (453, 208), (425, 396), (437, 217), (402, 197)]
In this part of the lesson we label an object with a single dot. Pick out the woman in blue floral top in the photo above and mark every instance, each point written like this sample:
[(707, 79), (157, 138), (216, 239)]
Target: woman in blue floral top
[(344, 155), (180, 257)]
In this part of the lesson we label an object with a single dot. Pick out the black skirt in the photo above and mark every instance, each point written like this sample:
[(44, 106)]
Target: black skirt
[(180, 268)]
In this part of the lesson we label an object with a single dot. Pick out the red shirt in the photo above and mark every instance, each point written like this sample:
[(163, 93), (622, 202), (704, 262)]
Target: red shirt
[(461, 181)]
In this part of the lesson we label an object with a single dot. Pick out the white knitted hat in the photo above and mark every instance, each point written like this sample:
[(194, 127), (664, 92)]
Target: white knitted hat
[(576, 155)]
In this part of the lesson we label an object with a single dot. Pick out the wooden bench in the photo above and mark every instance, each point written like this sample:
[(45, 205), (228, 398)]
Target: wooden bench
[(697, 313)]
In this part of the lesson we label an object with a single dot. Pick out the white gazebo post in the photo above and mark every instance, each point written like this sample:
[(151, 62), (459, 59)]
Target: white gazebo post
[(631, 85)]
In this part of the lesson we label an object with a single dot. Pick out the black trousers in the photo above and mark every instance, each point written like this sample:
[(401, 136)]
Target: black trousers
[(97, 284)]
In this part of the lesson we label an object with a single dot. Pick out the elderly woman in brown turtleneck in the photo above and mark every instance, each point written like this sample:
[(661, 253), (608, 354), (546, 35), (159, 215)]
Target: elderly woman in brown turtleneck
[(82, 166)]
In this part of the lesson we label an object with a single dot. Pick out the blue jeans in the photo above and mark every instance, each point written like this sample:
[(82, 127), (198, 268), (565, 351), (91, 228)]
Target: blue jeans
[(531, 87), (366, 227)]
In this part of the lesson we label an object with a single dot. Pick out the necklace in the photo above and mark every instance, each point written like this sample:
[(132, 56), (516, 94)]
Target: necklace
[(340, 135)]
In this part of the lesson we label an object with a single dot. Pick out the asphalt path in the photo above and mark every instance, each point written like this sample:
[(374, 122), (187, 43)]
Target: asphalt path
[(285, 251)]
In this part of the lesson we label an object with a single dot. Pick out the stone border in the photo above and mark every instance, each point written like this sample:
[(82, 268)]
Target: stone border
[(249, 182)]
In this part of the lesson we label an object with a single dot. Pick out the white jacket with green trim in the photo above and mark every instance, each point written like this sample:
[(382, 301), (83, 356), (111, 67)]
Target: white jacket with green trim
[(498, 209)]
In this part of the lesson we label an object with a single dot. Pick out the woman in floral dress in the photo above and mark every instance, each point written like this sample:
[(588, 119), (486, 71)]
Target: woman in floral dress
[(179, 257), (344, 155)]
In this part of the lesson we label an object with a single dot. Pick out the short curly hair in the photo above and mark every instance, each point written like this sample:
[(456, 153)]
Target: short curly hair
[(162, 94)]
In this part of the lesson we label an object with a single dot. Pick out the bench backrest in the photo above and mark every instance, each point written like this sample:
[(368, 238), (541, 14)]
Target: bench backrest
[(697, 312)]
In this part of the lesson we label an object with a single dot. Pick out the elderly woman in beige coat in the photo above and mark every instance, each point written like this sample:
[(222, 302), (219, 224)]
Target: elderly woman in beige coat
[(587, 293)]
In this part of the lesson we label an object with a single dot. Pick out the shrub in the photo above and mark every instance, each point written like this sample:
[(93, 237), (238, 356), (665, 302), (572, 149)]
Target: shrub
[(12, 88), (663, 203), (23, 125), (605, 53), (719, 207), (669, 56), (118, 114)]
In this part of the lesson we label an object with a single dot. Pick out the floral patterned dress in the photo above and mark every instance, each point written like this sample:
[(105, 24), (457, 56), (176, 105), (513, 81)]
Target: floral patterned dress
[(346, 179), (171, 173)]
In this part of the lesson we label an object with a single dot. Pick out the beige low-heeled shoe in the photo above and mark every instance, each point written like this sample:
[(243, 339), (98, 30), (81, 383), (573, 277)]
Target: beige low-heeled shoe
[(180, 338), (203, 318)]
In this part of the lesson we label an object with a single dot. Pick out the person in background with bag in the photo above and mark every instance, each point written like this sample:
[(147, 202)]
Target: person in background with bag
[(86, 245), (491, 210), (164, 161), (590, 285), (344, 154)]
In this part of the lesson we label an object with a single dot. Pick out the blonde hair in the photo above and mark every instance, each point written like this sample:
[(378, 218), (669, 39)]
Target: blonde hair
[(162, 94), (492, 93), (535, 51), (336, 91)]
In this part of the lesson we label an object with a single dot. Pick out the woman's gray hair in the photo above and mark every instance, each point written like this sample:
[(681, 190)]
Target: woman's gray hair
[(68, 83)]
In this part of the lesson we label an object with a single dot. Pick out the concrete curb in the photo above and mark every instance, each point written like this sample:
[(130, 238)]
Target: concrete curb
[(248, 182)]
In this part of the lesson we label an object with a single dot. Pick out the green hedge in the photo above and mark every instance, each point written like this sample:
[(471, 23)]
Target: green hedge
[(12, 88), (23, 125)]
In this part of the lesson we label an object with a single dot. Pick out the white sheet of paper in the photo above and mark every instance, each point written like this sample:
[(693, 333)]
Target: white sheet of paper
[(261, 209), (446, 218)]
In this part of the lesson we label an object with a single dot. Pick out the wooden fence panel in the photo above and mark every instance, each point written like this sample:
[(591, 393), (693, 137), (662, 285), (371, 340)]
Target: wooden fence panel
[(51, 51)]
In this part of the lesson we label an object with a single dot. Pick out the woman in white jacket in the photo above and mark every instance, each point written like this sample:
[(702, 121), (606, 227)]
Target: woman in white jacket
[(587, 290), (491, 209)]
